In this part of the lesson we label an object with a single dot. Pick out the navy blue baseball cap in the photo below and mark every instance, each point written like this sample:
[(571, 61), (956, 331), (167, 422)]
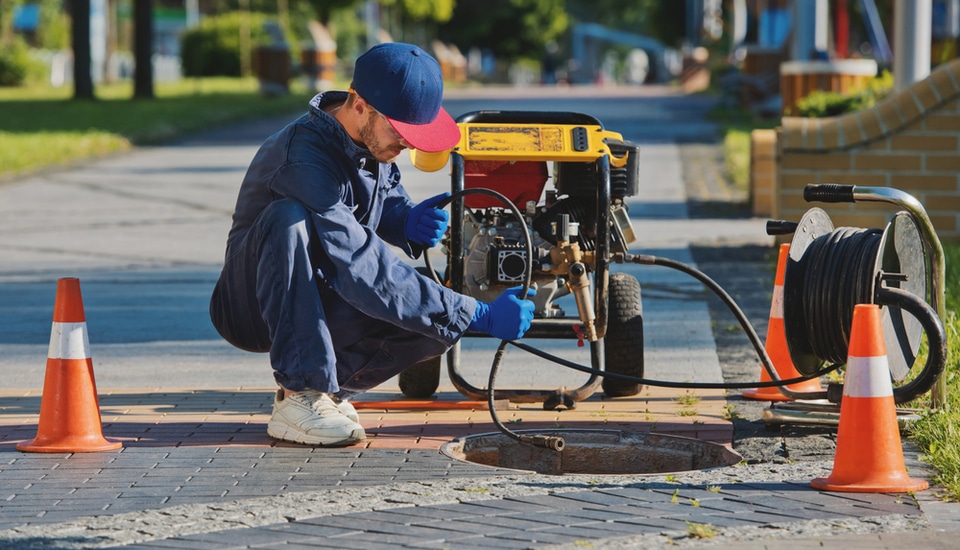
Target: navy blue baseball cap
[(404, 84)]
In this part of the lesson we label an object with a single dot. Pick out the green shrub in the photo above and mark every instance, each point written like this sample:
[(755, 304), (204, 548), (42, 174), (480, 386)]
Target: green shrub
[(213, 48), (15, 64), (821, 104)]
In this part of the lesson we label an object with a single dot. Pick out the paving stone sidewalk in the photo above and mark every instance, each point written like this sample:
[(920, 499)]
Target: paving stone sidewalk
[(198, 471)]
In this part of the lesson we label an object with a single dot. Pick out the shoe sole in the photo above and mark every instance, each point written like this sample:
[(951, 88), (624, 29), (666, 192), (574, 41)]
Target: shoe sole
[(284, 432)]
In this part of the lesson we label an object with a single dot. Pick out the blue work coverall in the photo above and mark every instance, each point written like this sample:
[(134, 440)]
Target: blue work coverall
[(309, 275)]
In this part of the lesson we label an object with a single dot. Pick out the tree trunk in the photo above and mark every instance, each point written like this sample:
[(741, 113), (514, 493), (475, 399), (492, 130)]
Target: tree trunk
[(80, 42), (143, 49)]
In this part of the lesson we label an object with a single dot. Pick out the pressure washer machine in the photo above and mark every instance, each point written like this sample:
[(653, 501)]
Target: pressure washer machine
[(505, 158)]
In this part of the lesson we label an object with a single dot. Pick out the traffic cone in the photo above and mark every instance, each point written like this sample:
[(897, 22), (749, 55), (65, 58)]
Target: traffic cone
[(776, 345), (69, 410), (869, 456)]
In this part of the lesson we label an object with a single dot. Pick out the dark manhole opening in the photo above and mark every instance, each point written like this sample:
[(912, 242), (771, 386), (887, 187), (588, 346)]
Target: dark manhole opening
[(593, 452)]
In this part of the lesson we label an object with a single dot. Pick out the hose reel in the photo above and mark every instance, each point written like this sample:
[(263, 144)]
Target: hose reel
[(830, 270)]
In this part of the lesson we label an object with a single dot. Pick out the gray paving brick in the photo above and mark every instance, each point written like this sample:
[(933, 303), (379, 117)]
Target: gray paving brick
[(595, 514), (686, 493), (534, 538), (559, 518), (171, 473), (658, 524), (451, 511), (199, 492), (253, 536), (601, 498), (484, 526), (436, 531), (731, 520), (549, 501), (374, 537), (311, 530), (491, 541), (759, 501), (139, 491), (94, 492), (498, 507), (906, 507), (648, 494), (184, 544), (593, 531), (436, 512), (28, 499), (241, 491), (665, 509), (134, 504)]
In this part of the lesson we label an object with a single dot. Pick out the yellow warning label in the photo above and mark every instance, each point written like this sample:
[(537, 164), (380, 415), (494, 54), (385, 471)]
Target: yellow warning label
[(517, 140)]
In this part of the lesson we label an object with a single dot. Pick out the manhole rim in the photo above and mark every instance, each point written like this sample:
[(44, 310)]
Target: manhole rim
[(726, 449)]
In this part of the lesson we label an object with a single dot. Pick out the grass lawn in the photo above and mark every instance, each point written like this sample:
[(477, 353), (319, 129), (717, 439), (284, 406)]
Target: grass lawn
[(43, 127)]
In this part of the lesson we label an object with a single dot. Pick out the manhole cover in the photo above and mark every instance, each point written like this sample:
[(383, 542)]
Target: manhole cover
[(593, 452)]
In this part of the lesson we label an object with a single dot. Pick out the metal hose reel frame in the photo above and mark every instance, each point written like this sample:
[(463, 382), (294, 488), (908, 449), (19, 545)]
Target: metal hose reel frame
[(900, 265)]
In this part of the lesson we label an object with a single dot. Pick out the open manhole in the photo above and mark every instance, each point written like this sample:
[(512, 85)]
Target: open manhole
[(593, 452)]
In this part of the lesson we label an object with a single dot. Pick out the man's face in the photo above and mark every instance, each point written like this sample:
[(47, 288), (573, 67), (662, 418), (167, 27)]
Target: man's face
[(380, 138)]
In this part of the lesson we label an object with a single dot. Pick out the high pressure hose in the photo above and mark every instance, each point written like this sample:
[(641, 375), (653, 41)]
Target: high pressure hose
[(860, 247), (549, 442)]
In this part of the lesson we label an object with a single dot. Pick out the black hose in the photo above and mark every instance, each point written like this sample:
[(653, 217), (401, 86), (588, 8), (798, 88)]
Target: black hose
[(838, 286), (838, 274), (936, 342), (550, 442)]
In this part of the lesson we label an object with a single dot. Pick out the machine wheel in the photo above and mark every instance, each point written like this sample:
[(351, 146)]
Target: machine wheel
[(623, 343), (422, 379)]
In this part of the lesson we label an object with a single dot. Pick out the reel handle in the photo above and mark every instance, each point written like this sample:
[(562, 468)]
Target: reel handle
[(828, 192), (781, 227)]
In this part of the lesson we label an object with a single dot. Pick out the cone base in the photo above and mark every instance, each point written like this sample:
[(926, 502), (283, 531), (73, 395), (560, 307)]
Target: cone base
[(765, 394), (896, 484), (773, 394), (86, 445)]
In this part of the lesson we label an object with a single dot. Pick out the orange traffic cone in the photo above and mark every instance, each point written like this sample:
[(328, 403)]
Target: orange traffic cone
[(69, 410), (869, 456), (776, 345)]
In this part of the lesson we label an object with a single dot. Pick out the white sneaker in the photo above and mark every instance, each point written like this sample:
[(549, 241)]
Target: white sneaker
[(312, 418), (347, 409)]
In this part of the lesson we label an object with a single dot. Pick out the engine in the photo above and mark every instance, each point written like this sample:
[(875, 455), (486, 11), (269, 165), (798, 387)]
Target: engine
[(496, 260), (562, 228)]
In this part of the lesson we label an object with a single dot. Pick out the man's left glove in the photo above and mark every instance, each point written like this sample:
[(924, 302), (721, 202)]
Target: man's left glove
[(426, 223)]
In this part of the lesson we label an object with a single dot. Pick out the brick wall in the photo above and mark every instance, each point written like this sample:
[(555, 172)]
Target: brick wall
[(909, 142)]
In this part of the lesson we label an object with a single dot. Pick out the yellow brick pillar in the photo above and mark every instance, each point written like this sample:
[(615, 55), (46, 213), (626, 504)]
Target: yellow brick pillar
[(763, 171)]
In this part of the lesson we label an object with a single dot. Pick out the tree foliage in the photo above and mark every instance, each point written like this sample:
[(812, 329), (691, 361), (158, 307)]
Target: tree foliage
[(511, 29), (665, 21), (439, 11)]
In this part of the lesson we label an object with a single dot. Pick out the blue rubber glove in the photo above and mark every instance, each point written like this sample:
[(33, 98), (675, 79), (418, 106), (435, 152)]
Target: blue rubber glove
[(507, 317), (426, 223)]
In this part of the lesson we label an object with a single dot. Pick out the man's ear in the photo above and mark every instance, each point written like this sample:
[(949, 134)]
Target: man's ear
[(359, 106)]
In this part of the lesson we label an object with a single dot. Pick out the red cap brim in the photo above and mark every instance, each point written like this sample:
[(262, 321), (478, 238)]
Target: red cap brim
[(440, 135)]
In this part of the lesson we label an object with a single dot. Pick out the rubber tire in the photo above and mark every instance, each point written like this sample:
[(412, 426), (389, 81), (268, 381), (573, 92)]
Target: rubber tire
[(623, 342), (422, 379)]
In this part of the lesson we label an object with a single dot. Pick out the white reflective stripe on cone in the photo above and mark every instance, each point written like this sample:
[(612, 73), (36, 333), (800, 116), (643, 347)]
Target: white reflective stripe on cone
[(867, 377), (69, 341), (776, 305)]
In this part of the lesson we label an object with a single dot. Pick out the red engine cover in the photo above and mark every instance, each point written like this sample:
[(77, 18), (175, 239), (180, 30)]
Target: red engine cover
[(519, 181)]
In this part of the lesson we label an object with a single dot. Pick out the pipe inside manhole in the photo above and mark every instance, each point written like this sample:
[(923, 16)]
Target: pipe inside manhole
[(593, 452)]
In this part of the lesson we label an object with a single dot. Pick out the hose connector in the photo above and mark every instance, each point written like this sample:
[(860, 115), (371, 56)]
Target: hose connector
[(553, 443)]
